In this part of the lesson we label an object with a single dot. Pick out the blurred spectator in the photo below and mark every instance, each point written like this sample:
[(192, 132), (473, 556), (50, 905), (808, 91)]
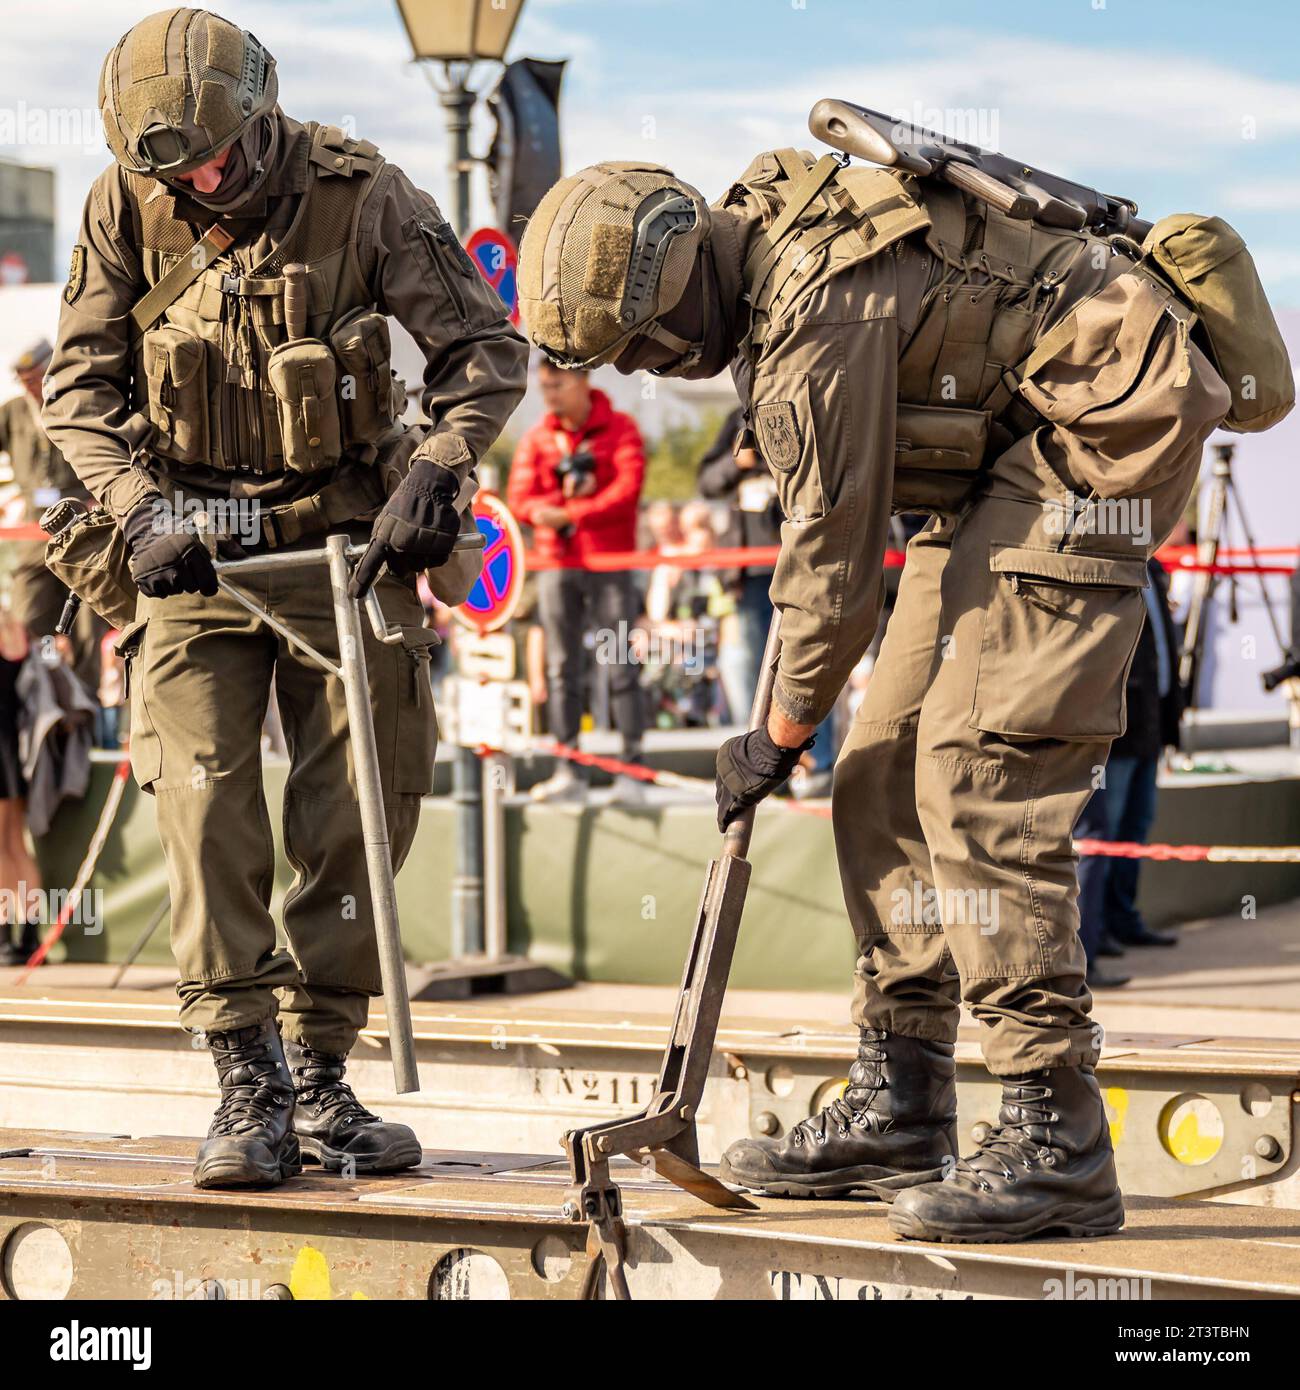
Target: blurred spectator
[(734, 470), (684, 607), (111, 694), (1124, 806), (19, 876), (44, 477), (741, 478), (576, 479), (664, 526)]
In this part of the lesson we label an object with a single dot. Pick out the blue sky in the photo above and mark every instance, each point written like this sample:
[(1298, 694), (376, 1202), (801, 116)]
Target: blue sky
[(1185, 105)]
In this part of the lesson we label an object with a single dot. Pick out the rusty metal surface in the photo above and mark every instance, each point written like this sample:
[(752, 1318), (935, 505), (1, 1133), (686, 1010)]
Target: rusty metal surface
[(1192, 1114), (136, 1228)]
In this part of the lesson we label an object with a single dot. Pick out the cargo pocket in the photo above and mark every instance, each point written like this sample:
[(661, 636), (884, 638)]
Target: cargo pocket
[(417, 722), (787, 439), (451, 275), (1125, 386), (304, 377), (1059, 636), (364, 350), (938, 457), (176, 372), (145, 746)]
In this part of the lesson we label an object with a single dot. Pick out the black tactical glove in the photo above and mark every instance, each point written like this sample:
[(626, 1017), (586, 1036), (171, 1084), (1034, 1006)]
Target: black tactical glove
[(749, 767), (166, 557), (416, 529)]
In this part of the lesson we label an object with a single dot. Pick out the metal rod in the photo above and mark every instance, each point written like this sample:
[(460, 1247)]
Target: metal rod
[(739, 831), (374, 827), (293, 559), (467, 928), (495, 772), (467, 882), (141, 941), (276, 625)]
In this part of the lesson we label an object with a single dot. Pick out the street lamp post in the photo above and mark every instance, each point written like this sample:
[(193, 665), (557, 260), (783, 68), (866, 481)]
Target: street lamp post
[(456, 34)]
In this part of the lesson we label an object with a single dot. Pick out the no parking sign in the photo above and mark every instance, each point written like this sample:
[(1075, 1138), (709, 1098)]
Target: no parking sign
[(495, 596), (494, 254)]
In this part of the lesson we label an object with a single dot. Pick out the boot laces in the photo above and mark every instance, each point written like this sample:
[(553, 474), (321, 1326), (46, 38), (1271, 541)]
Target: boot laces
[(245, 1109), (1012, 1141), (844, 1115), (246, 1106), (320, 1084)]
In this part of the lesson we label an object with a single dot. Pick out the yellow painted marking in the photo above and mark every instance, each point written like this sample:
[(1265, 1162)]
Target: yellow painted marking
[(311, 1275), (1188, 1144), (1116, 1098), (1190, 1129)]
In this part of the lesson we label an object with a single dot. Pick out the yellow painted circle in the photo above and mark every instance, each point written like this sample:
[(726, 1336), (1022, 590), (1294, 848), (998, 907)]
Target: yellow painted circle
[(1190, 1129)]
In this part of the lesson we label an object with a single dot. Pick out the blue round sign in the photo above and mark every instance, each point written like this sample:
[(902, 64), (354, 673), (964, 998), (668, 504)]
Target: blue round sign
[(494, 254)]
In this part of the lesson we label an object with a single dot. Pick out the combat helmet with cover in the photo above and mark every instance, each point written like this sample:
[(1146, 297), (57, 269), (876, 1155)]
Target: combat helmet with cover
[(179, 88), (609, 252)]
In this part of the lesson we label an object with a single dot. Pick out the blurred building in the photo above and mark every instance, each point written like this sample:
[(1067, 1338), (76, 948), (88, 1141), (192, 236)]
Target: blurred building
[(26, 224)]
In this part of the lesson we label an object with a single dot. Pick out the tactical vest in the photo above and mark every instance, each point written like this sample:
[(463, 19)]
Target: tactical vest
[(216, 375), (996, 282)]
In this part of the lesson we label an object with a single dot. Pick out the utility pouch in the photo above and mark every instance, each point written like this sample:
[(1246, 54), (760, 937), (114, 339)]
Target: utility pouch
[(938, 457), (361, 345), (175, 365), (304, 377), (88, 553), (1208, 265)]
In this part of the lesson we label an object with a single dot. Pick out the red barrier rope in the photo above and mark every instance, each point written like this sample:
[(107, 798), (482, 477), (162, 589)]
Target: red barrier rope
[(1087, 849), (107, 816), (1174, 557)]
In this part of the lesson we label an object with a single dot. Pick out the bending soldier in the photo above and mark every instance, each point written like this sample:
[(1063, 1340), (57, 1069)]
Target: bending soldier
[(43, 476), (904, 347), (176, 385)]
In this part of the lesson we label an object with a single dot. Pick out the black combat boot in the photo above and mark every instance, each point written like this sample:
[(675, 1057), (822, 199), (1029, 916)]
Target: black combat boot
[(19, 942), (1047, 1166), (251, 1142), (334, 1128), (895, 1125)]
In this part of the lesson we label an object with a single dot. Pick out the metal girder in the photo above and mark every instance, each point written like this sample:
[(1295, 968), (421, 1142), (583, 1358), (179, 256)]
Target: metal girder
[(112, 1218)]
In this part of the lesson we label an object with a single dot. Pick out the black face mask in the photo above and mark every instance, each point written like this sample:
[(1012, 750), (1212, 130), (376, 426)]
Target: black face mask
[(251, 159)]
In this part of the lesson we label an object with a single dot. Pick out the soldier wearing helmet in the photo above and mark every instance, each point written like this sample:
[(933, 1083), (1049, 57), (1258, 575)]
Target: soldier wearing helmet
[(182, 383), (901, 346)]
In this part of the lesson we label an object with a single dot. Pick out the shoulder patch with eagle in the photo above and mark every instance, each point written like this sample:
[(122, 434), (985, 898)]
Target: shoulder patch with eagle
[(76, 275)]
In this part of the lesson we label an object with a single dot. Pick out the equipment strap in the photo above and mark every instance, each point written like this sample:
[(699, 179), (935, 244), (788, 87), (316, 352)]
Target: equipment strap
[(806, 190), (157, 300), (342, 500)]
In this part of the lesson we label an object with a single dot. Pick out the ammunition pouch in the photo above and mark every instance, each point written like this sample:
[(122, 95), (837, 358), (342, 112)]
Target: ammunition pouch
[(361, 344), (89, 554), (304, 377), (939, 456), (175, 366)]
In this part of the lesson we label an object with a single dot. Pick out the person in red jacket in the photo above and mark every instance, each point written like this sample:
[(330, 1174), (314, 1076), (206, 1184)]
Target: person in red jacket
[(576, 479)]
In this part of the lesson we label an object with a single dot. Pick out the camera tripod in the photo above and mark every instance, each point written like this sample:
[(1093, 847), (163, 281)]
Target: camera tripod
[(1225, 498)]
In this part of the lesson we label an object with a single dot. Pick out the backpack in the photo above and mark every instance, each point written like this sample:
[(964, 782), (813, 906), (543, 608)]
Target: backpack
[(1208, 266)]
